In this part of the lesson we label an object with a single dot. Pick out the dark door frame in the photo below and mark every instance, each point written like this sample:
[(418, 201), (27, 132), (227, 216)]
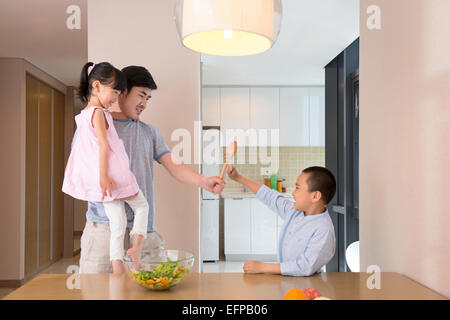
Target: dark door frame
[(342, 148)]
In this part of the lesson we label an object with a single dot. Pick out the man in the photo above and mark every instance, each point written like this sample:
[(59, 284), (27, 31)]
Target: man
[(144, 144)]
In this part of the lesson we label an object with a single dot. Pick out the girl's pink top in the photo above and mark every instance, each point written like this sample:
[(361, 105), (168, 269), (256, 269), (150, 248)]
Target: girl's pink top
[(82, 175)]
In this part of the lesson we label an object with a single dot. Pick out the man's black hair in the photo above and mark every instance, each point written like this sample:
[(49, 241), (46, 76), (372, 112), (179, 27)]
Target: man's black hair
[(138, 77)]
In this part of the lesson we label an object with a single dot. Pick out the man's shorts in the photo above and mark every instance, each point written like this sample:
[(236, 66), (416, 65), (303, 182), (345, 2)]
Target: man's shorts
[(94, 257)]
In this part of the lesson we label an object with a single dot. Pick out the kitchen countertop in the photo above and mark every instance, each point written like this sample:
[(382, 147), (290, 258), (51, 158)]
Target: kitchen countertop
[(233, 286), (242, 194)]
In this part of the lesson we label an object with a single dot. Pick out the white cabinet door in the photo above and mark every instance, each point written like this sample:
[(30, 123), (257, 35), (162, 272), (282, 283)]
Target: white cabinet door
[(317, 116), (211, 106), (265, 113), (237, 226), (294, 117), (234, 113), (210, 230), (264, 229)]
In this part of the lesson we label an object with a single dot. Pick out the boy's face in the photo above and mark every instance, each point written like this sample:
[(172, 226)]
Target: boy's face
[(303, 197), (135, 101)]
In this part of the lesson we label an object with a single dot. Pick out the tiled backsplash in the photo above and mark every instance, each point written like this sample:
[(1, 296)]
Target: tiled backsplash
[(291, 161)]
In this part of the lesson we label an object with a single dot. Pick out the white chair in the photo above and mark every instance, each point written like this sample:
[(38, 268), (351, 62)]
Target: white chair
[(352, 256)]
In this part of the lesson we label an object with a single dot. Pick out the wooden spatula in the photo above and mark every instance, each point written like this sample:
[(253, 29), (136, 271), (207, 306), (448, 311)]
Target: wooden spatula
[(231, 150)]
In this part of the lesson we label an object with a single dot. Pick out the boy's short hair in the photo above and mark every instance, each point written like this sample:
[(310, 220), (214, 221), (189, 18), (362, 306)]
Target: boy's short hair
[(321, 179), (138, 77)]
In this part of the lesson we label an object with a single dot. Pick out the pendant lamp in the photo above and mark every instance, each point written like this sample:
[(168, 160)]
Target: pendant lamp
[(228, 27)]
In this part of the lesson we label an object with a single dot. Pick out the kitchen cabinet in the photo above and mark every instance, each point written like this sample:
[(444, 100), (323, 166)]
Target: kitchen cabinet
[(294, 117), (317, 116), (265, 112), (234, 113), (211, 106), (302, 117), (251, 228), (237, 226), (298, 113), (263, 229)]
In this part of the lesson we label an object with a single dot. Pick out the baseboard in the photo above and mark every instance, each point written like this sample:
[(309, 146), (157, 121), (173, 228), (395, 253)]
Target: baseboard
[(19, 283), (11, 283), (76, 252)]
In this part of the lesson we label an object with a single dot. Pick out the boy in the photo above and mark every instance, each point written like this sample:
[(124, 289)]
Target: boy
[(307, 241)]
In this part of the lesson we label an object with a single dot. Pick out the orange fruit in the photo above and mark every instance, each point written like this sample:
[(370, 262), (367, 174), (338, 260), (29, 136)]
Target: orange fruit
[(295, 294)]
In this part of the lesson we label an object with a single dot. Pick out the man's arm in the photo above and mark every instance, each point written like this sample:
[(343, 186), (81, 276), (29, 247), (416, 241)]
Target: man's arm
[(184, 174)]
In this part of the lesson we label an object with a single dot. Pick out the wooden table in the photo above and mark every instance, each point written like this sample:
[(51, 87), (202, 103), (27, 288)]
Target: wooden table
[(226, 286)]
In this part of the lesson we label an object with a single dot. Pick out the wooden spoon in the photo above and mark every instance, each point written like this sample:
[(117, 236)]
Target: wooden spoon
[(231, 150)]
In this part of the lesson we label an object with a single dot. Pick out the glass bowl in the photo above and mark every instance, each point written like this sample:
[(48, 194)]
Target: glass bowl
[(159, 269)]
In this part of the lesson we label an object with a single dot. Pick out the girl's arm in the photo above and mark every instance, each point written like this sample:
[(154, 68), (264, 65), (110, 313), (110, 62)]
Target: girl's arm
[(98, 121)]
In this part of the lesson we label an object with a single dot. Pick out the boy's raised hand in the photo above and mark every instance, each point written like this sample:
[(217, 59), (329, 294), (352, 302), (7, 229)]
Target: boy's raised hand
[(232, 172)]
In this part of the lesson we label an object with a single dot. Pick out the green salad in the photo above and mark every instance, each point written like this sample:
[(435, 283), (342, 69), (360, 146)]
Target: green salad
[(164, 276)]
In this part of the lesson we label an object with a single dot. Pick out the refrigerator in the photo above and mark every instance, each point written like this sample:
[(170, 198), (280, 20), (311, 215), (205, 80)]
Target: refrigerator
[(209, 215)]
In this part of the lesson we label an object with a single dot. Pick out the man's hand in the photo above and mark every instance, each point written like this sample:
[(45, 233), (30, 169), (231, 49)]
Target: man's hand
[(214, 184)]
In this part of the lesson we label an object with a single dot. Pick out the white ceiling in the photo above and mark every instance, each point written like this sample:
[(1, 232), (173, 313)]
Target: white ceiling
[(313, 32), (36, 30)]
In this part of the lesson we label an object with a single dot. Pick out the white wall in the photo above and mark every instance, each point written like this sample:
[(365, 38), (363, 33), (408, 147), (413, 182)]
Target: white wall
[(404, 150), (143, 33)]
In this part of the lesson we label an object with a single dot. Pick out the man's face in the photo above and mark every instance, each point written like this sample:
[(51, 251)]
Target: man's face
[(133, 102), (303, 198)]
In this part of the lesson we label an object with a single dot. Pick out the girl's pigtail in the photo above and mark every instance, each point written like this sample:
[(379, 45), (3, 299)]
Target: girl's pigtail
[(83, 89)]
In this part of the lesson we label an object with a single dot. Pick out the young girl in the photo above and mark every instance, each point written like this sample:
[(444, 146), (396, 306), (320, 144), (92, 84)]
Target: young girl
[(98, 166)]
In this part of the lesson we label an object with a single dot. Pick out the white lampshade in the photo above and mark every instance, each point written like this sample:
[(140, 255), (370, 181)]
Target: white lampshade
[(228, 27)]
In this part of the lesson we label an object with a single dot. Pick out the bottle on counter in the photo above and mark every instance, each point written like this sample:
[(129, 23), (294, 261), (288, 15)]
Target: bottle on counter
[(267, 181), (279, 185), (283, 187), (273, 181)]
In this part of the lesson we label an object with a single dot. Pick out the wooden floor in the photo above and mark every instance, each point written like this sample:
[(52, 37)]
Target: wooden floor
[(59, 267)]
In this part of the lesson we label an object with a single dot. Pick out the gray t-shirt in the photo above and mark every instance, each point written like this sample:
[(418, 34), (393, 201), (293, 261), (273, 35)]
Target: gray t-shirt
[(144, 144)]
